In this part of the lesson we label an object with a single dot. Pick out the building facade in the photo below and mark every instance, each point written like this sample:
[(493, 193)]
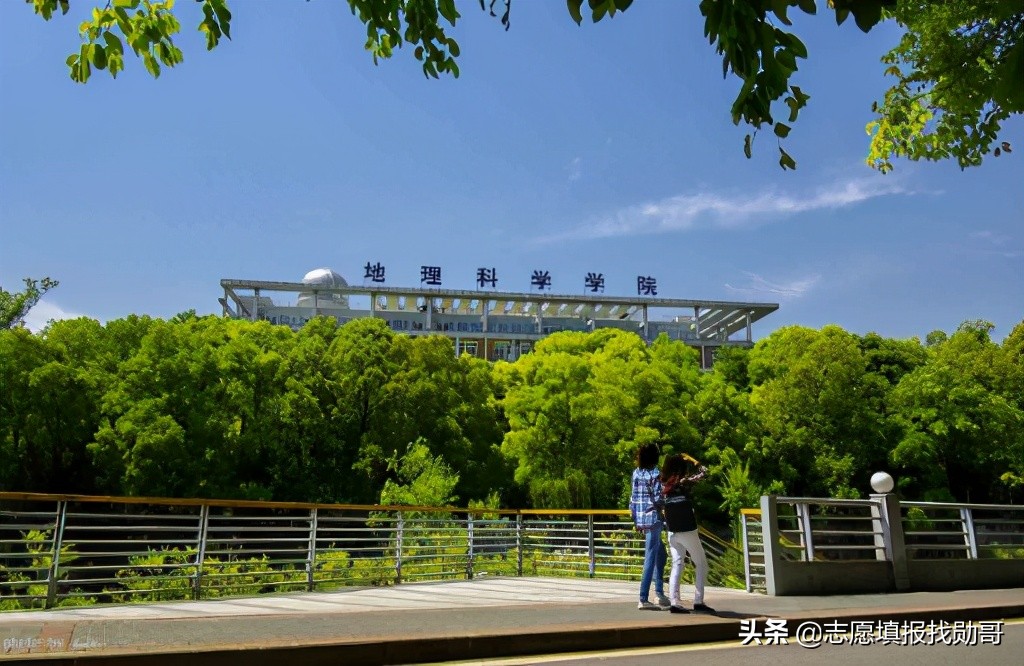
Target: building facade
[(491, 324)]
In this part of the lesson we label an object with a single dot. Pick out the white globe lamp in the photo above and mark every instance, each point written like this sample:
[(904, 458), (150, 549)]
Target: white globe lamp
[(881, 482)]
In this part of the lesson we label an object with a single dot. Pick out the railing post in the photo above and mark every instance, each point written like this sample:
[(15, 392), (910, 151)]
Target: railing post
[(746, 552), (519, 544), (52, 576), (891, 522), (469, 546), (591, 551), (204, 526), (398, 548), (970, 535), (803, 512), (311, 553), (774, 581)]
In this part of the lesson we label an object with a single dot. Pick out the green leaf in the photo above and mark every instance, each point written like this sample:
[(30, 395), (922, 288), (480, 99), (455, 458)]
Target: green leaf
[(448, 10), (747, 145), (224, 17), (786, 59), (114, 45), (785, 161), (99, 57), (808, 6), (1008, 91), (151, 64), (781, 130), (867, 13), (575, 10), (780, 7), (794, 109), (795, 45)]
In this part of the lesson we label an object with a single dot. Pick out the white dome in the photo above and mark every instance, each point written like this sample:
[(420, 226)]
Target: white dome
[(324, 277)]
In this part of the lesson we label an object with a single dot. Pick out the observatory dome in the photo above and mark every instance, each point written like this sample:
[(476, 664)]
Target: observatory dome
[(323, 278)]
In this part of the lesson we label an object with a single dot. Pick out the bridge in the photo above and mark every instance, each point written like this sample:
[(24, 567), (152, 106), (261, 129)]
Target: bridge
[(268, 582)]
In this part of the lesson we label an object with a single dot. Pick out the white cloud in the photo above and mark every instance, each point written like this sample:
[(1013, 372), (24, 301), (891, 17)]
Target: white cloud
[(574, 169), (757, 285), (991, 243), (710, 209), (43, 312)]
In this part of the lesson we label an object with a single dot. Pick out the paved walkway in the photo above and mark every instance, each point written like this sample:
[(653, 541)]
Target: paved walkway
[(417, 623)]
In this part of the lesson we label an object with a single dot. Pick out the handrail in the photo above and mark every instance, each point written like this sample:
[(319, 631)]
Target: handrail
[(957, 505), (261, 504), (119, 549), (825, 501), (714, 538)]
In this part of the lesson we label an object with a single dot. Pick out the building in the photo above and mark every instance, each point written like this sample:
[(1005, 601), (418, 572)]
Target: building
[(493, 324)]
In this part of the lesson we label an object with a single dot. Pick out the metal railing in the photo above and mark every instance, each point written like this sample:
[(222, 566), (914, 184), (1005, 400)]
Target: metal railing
[(881, 542), (829, 529), (61, 550), (937, 530), (753, 550)]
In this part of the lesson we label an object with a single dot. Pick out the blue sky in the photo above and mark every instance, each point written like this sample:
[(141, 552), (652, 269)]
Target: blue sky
[(605, 148)]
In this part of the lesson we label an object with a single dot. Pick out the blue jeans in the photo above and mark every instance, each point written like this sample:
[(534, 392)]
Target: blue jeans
[(654, 563)]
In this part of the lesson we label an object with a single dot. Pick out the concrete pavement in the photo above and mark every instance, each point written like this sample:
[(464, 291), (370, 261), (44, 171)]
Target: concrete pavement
[(423, 622)]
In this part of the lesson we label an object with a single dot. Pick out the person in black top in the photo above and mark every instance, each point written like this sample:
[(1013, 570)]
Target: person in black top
[(678, 476)]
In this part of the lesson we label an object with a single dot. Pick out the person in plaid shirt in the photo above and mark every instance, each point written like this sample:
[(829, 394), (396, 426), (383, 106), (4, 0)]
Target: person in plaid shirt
[(646, 491)]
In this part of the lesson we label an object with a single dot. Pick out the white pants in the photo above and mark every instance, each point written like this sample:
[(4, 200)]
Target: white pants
[(681, 544)]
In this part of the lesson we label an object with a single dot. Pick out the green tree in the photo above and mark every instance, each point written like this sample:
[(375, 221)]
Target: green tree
[(961, 437), (448, 404), (169, 427), (15, 305), (817, 410), (959, 63), (420, 479), (731, 365), (53, 386), (959, 69), (729, 431), (580, 404)]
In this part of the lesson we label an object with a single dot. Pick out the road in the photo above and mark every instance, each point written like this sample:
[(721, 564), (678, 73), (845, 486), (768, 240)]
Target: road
[(1010, 651)]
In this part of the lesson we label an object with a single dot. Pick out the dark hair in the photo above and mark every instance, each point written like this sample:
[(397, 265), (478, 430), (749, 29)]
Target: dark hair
[(675, 467), (647, 456)]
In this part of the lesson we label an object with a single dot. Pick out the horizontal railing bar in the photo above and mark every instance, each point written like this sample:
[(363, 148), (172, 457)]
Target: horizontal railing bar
[(1000, 546), (818, 501), (120, 542), (956, 505), (257, 540), (8, 513)]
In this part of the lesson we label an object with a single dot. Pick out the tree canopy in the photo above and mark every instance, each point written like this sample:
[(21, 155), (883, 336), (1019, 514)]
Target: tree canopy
[(959, 65), (14, 305), (212, 407)]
